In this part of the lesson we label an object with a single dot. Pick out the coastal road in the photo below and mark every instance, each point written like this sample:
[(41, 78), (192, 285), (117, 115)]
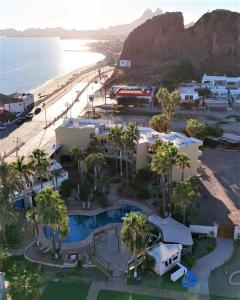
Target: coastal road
[(33, 134)]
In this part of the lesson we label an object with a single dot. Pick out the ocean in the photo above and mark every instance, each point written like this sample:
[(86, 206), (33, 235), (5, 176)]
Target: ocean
[(27, 63)]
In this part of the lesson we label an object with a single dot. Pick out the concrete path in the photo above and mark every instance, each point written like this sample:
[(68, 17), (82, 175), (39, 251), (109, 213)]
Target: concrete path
[(208, 263), (97, 286)]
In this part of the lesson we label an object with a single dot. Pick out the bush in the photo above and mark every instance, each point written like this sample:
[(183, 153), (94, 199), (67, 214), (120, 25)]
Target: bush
[(66, 188), (12, 234), (102, 200), (125, 191), (210, 247), (190, 261), (142, 192), (148, 263), (214, 131), (143, 175)]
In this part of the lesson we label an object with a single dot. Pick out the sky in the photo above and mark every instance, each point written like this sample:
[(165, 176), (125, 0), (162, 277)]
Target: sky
[(95, 14)]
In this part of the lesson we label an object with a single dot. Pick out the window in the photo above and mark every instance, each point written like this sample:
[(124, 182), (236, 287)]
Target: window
[(170, 261), (166, 263), (175, 258)]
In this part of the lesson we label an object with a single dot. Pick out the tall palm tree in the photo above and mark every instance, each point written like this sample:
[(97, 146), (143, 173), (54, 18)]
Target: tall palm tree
[(114, 136), (183, 162), (169, 101), (33, 217), (40, 162), (130, 138), (25, 171), (51, 210), (184, 193), (134, 234), (9, 184), (166, 157), (95, 161), (78, 156)]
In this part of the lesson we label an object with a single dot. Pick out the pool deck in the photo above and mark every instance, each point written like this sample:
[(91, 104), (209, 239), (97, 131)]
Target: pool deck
[(82, 246)]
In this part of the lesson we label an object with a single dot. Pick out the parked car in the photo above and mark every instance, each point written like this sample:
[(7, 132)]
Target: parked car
[(2, 127), (20, 120), (37, 110), (29, 116)]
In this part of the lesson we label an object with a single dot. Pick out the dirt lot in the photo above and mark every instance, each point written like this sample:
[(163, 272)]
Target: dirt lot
[(220, 177)]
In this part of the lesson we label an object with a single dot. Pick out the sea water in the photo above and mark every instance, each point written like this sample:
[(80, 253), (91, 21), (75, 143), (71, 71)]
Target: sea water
[(27, 63)]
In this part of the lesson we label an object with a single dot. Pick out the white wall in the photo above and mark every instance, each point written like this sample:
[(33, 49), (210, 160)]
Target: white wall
[(208, 230)]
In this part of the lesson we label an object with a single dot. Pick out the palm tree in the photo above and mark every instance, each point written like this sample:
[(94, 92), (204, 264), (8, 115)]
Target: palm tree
[(160, 167), (51, 210), (169, 101), (25, 281), (9, 184), (160, 123), (134, 234), (33, 217), (165, 159), (95, 161), (130, 138), (3, 256), (183, 162), (77, 155), (184, 193), (25, 171), (40, 162), (114, 135)]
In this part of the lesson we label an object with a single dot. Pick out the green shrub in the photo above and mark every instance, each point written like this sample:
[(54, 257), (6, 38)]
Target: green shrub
[(210, 247), (102, 200), (143, 175), (214, 131), (66, 188), (148, 263), (190, 261), (142, 192), (12, 234)]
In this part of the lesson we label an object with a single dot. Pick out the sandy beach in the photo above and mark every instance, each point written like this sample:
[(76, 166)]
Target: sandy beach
[(55, 88)]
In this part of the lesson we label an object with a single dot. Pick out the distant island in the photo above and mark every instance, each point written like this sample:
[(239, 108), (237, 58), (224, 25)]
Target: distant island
[(113, 32)]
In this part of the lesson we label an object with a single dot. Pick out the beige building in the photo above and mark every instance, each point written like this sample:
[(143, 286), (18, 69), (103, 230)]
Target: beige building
[(78, 132)]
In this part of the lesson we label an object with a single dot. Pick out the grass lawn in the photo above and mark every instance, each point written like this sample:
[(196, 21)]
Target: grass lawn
[(112, 295), (62, 291), (163, 282)]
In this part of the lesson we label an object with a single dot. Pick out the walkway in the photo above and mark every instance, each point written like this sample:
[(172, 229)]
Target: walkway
[(97, 286), (208, 263)]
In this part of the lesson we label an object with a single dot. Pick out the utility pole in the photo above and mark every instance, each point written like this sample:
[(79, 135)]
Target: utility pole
[(45, 109), (17, 140)]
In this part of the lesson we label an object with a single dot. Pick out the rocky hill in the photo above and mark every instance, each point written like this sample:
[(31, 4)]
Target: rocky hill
[(211, 45)]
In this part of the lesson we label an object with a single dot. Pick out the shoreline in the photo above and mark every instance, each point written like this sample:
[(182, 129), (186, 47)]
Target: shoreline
[(57, 84)]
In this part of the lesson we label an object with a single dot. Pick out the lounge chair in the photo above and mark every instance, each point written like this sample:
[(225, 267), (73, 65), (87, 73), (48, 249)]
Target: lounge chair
[(89, 205), (84, 205), (46, 250), (42, 248)]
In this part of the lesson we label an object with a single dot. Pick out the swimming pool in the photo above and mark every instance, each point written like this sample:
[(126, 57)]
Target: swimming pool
[(80, 227)]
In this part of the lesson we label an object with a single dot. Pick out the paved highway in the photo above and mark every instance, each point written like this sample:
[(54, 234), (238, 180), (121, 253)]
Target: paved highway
[(33, 134)]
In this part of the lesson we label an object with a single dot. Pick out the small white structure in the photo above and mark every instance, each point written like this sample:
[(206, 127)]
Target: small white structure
[(166, 256), (18, 103), (235, 94), (188, 94), (220, 81), (219, 92), (179, 273), (173, 231)]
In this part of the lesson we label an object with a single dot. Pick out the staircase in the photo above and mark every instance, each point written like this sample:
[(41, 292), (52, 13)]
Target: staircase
[(104, 267)]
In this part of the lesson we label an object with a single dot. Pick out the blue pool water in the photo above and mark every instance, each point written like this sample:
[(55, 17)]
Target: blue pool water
[(81, 226)]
